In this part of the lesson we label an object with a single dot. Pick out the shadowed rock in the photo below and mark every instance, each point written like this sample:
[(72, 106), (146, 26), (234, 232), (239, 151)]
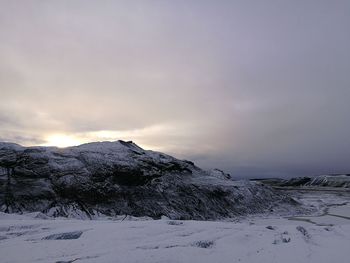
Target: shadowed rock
[(204, 244), (64, 236)]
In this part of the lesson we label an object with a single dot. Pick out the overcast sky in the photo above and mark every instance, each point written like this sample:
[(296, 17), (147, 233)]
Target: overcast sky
[(258, 88)]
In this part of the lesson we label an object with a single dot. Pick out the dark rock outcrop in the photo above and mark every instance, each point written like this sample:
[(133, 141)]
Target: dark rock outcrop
[(115, 178)]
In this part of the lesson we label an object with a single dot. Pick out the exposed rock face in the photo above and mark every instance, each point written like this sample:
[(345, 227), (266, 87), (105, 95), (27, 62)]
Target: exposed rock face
[(115, 178)]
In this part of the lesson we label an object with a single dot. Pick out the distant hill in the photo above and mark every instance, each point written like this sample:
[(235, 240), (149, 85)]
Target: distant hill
[(332, 180)]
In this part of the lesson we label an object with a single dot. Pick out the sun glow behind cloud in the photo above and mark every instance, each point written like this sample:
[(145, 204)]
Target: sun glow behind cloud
[(61, 140), (144, 137), (173, 138)]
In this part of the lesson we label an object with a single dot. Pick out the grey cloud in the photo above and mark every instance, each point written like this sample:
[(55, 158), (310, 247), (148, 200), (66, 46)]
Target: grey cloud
[(21, 139), (259, 88)]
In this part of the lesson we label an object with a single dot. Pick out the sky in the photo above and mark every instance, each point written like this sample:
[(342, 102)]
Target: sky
[(256, 88)]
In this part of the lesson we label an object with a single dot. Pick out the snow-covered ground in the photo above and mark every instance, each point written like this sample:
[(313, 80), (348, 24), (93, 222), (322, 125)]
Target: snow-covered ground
[(324, 237)]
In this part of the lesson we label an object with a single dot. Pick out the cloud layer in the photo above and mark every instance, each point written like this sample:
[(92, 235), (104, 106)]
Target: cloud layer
[(259, 88)]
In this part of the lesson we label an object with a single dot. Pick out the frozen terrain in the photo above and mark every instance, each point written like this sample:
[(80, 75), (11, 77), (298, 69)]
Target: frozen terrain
[(116, 202), (321, 237)]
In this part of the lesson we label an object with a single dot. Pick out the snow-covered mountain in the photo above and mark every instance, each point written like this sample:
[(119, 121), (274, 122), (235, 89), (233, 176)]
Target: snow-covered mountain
[(120, 178), (333, 180), (341, 180)]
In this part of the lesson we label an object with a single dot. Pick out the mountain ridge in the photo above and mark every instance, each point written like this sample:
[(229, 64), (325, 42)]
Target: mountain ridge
[(115, 178)]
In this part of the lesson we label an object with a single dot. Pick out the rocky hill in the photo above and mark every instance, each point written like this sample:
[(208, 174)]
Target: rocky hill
[(332, 180), (120, 178)]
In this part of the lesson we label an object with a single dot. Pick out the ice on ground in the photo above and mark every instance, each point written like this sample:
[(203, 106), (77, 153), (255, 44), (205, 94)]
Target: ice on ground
[(258, 240), (321, 238)]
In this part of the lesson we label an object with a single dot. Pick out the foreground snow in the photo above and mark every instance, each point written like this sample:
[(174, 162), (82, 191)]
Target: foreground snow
[(322, 238), (169, 241)]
